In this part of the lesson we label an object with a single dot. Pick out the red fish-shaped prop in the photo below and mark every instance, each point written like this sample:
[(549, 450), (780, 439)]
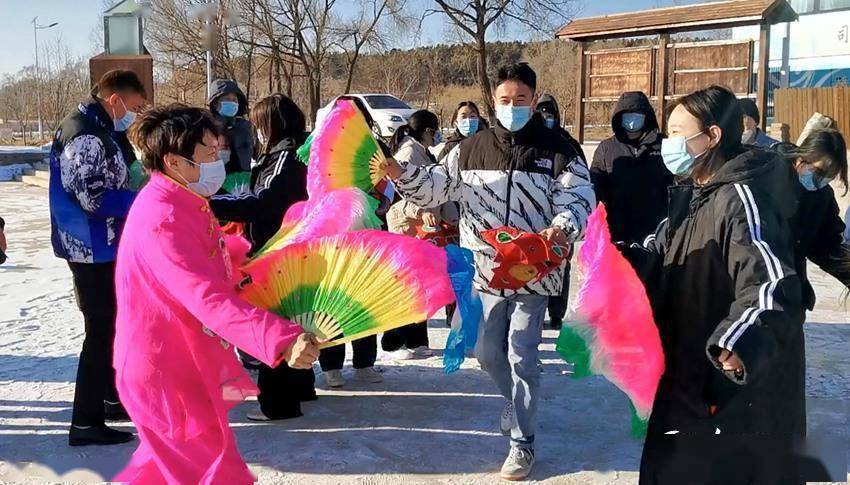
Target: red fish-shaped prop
[(523, 257)]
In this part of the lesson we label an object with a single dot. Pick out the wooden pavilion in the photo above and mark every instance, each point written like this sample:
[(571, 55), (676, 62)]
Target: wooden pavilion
[(668, 70)]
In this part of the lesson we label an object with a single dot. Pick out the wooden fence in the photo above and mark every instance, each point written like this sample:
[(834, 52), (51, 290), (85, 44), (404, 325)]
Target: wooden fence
[(663, 72), (794, 107)]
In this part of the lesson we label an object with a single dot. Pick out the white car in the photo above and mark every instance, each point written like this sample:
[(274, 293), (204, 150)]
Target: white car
[(388, 112)]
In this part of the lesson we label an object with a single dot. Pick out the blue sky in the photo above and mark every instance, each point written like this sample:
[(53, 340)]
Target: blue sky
[(78, 18)]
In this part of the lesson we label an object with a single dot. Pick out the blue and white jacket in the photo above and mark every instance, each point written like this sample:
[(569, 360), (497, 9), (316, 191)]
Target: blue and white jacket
[(89, 196)]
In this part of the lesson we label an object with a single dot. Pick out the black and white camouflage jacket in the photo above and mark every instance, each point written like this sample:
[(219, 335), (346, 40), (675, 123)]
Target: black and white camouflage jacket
[(531, 180)]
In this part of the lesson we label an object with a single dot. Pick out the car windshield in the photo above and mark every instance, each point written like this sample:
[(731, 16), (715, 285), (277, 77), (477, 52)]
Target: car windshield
[(385, 102)]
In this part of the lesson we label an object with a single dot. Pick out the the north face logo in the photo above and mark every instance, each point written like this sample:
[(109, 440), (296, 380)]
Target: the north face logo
[(543, 163)]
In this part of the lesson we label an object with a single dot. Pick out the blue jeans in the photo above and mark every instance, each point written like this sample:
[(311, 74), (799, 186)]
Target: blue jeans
[(507, 350)]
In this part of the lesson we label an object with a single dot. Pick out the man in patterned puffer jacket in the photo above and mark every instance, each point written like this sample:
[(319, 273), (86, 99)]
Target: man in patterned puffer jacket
[(89, 200), (523, 175)]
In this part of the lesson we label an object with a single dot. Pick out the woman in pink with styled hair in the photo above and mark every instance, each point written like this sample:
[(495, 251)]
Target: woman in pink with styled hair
[(179, 314)]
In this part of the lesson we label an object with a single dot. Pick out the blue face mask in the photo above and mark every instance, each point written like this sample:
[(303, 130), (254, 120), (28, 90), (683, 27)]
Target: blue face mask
[(550, 123), (675, 153), (514, 118), (124, 122), (811, 181), (468, 126), (633, 122), (438, 137), (228, 109)]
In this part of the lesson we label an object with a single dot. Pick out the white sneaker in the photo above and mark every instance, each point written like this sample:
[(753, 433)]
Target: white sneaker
[(333, 378), (506, 421), (518, 464), (402, 354), (256, 414), (368, 374)]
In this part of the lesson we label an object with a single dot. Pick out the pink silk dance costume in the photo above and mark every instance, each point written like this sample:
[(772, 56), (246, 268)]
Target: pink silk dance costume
[(178, 314)]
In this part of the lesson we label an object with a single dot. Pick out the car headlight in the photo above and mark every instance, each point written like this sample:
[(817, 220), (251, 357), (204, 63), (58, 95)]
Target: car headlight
[(396, 119)]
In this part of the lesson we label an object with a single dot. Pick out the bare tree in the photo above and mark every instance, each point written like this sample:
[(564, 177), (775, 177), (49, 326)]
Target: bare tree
[(175, 34), (475, 18), (64, 82), (361, 32)]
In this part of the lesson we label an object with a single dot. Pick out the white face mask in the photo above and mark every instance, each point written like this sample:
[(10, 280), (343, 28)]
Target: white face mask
[(124, 122), (211, 178)]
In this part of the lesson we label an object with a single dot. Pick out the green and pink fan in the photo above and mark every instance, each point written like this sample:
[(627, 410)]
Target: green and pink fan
[(611, 331)]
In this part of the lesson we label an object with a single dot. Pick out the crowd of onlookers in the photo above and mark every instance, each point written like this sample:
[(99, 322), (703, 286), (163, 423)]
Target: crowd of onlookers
[(717, 218)]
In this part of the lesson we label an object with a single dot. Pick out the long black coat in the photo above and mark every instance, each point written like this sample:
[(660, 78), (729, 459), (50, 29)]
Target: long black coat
[(629, 176), (720, 275)]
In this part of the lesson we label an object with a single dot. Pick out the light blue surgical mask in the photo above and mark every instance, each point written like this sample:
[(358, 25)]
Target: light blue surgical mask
[(514, 118), (550, 123), (124, 122), (467, 126), (812, 181), (211, 178), (438, 137), (676, 156), (633, 122), (228, 109)]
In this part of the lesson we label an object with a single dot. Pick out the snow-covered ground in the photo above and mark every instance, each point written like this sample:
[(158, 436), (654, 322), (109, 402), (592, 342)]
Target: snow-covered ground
[(418, 427)]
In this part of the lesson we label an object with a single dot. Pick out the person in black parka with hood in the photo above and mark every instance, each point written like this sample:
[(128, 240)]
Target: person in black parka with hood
[(628, 172), (230, 107), (719, 272)]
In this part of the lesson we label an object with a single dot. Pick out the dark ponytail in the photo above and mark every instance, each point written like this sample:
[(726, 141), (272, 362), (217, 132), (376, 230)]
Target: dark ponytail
[(415, 128)]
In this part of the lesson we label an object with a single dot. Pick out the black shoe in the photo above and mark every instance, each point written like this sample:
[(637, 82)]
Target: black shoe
[(115, 412), (97, 435)]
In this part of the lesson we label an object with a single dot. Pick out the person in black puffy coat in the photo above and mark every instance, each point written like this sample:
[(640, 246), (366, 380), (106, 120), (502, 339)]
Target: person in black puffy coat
[(721, 278), (628, 173)]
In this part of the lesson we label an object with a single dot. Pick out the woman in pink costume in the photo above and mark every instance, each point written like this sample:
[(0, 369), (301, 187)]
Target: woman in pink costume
[(179, 314)]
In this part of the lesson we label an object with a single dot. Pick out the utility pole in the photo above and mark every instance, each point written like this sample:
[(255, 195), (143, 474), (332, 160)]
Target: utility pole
[(35, 29)]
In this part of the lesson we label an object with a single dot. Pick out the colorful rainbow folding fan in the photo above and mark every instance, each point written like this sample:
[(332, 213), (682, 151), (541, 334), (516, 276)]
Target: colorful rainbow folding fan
[(611, 331), (335, 212), (342, 152), (352, 285), (523, 257)]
